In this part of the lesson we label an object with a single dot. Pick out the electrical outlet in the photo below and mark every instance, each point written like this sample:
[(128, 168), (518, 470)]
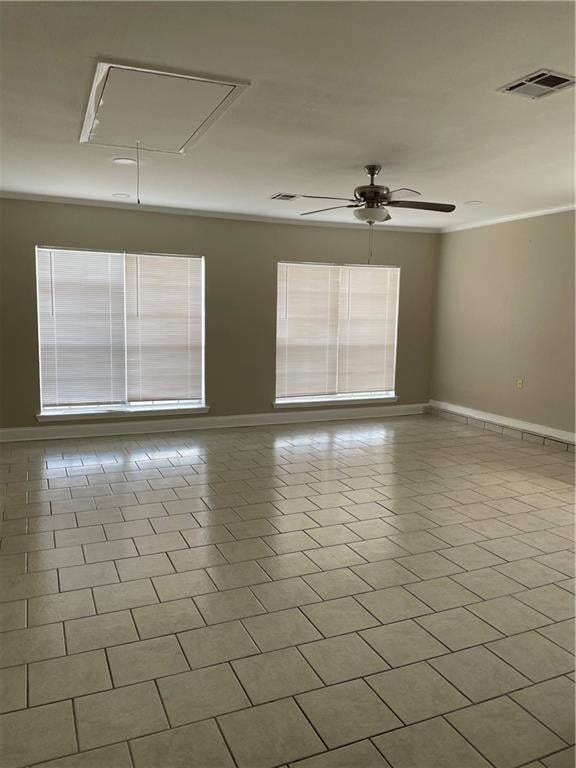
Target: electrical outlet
[(519, 383)]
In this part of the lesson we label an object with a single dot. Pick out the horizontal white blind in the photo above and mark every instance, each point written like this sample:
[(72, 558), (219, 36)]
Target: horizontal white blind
[(164, 328), (336, 330), (117, 330), (81, 327)]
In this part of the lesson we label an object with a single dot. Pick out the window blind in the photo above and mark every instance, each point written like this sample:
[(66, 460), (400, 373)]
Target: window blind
[(119, 331), (336, 331)]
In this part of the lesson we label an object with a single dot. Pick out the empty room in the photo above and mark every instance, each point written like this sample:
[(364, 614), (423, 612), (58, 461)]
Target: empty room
[(287, 387)]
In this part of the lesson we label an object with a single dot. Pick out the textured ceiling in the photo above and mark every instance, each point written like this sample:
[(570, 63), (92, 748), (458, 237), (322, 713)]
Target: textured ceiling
[(411, 85)]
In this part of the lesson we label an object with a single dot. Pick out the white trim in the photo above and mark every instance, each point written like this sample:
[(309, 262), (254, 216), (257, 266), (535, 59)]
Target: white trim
[(505, 421), (76, 414), (504, 219), (132, 206), (19, 434), (303, 402)]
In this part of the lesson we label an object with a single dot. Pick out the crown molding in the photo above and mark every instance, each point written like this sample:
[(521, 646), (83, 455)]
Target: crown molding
[(27, 197), (504, 219)]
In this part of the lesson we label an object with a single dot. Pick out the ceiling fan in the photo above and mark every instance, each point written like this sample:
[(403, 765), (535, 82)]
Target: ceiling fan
[(370, 201)]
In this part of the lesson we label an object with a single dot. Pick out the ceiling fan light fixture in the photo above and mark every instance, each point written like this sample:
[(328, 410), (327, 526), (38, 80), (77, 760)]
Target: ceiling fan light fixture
[(372, 215)]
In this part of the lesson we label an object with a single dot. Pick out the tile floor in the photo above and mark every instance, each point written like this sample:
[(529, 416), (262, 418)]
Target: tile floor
[(373, 594)]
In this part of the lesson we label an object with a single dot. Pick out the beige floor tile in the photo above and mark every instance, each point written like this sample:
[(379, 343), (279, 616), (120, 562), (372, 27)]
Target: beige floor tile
[(229, 605), (417, 692), (201, 694), (458, 628), (471, 556), (116, 756), (146, 660), (47, 559), (360, 755), (337, 617), (249, 549), (204, 536), (115, 531), (20, 586), (129, 594), (429, 565), (109, 550), (133, 568), (167, 618), (488, 583), (385, 574), (534, 656), (403, 642), (76, 536), (443, 593), (159, 542), (192, 746), (338, 583), (342, 658), (13, 687), (428, 744), (333, 534), (275, 675), (293, 541), (12, 615), (504, 732), (196, 557), (479, 674), (237, 575), (509, 615), (286, 593), (268, 735), (564, 759), (281, 629), (347, 712), (563, 634), (100, 631), (552, 703), (82, 576), (23, 646), (550, 600), (31, 735), (67, 605), (185, 584), (213, 645), (393, 604), (118, 715), (67, 677), (339, 556), (530, 573), (286, 566)]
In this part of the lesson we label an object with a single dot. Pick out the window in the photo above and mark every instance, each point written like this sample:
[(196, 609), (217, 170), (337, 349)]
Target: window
[(336, 332), (119, 331)]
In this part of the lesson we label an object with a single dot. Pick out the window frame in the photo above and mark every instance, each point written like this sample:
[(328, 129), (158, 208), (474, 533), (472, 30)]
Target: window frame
[(129, 408), (359, 398)]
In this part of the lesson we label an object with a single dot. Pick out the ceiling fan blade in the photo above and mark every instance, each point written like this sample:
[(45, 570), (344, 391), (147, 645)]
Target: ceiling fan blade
[(321, 197), (441, 207), (321, 210), (401, 194)]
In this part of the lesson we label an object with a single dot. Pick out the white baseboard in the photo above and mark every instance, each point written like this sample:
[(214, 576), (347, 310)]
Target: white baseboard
[(525, 427), (59, 431)]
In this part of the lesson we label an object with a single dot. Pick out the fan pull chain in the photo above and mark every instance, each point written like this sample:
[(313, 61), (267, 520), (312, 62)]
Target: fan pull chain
[(138, 172), (370, 241)]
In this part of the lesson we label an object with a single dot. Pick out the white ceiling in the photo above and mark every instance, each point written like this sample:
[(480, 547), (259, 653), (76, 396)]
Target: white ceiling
[(411, 85)]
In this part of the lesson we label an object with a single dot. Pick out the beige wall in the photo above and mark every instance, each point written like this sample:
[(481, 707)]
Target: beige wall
[(504, 310), (241, 261)]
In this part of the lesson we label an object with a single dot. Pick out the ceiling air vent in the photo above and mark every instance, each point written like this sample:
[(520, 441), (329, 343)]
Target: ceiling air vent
[(284, 196), (539, 84)]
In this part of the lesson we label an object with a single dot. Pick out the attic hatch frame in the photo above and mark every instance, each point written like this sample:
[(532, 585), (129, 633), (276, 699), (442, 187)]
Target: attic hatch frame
[(101, 74)]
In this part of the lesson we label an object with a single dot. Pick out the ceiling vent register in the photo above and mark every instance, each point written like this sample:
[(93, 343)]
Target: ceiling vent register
[(538, 84)]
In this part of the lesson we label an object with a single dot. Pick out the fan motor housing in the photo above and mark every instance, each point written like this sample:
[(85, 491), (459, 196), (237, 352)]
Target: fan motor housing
[(371, 193)]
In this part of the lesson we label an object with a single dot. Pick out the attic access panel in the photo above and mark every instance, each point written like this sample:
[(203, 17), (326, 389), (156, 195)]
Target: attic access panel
[(164, 111)]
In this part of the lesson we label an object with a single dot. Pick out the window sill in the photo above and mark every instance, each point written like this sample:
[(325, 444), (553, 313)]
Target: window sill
[(314, 402), (70, 414)]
